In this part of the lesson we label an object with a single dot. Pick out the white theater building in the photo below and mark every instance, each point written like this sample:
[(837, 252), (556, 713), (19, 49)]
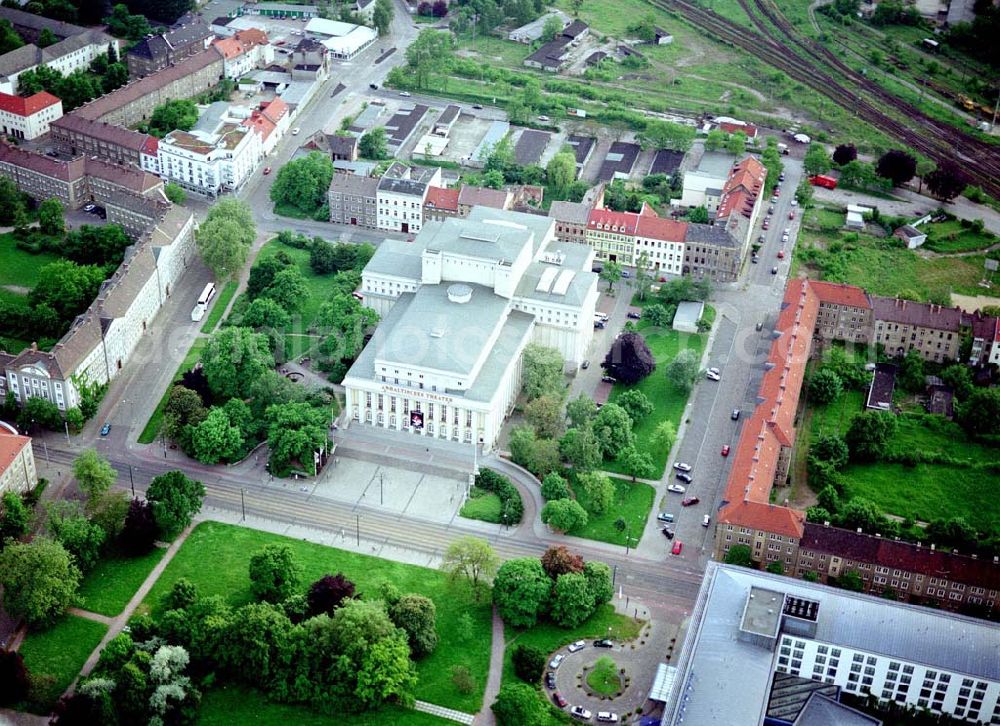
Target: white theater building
[(458, 306)]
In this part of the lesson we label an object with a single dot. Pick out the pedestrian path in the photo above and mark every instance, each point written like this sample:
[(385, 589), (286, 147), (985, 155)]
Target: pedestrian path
[(485, 716), (96, 617), (448, 713)]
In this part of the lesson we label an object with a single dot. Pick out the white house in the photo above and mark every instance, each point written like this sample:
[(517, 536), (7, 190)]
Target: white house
[(66, 56), (27, 118), (244, 51), (401, 194), (703, 185), (458, 305)]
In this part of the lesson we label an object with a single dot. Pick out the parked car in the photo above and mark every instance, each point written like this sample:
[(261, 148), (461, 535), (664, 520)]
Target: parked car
[(557, 661), (295, 131), (267, 170), (609, 379), (781, 177), (759, 326), (626, 273), (705, 520), (585, 365), (795, 202), (725, 449), (690, 501), (735, 415), (681, 466), (766, 225), (89, 207), (770, 210), (676, 488), (714, 370), (777, 192), (550, 680), (581, 713), (774, 199), (755, 259), (791, 215), (712, 376), (678, 546), (477, 106), (604, 643), (105, 429), (607, 717), (634, 316), (774, 270), (405, 94), (578, 645), (667, 533), (373, 86), (600, 324), (544, 118), (559, 700), (781, 254), (665, 517), (684, 477)]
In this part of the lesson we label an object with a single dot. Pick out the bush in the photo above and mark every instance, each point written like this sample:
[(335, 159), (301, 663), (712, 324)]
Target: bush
[(511, 506), (529, 662)]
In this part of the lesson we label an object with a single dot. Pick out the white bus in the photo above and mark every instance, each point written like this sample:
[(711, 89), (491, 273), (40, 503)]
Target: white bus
[(206, 296)]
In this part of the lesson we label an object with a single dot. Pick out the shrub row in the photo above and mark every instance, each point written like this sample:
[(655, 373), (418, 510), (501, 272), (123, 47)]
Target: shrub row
[(510, 498)]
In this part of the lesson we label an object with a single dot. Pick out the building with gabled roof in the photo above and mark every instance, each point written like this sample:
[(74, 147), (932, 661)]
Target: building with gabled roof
[(402, 191), (17, 459), (441, 203), (903, 325), (73, 53), (156, 52), (28, 117), (571, 220)]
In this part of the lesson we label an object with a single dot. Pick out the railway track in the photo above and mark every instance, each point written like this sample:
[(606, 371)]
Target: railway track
[(797, 56)]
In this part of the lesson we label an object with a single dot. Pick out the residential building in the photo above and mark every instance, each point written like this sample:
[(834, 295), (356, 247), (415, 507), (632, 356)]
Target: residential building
[(612, 235), (156, 52), (212, 158), (135, 102), (282, 10), (73, 52), (735, 126), (741, 200), (271, 121), (757, 638), (100, 341), (845, 312), (571, 221), (343, 147), (28, 118), (712, 251), (662, 241), (76, 135), (458, 305), (903, 325), (983, 330), (310, 61), (353, 200), (440, 204), (552, 56), (29, 25), (469, 197), (364, 9), (17, 460), (703, 184), (244, 51), (401, 194)]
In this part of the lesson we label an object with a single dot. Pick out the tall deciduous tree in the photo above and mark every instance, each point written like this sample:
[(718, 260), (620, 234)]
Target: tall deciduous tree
[(560, 172), (816, 160), (472, 558), (613, 429), (629, 359), (572, 600), (636, 404), (844, 154), (611, 273), (234, 359), (175, 499), (215, 439), (637, 463), (50, 217), (224, 238), (564, 515), (979, 415), (39, 580), (869, 434), (581, 449), (518, 704), (683, 370), (382, 16), (274, 573), (416, 615), (542, 372), (373, 145), (139, 531), (14, 516), (825, 386), (521, 590), (739, 555), (296, 431), (947, 181), (328, 593), (580, 411), (93, 473), (558, 560), (897, 166), (599, 489)]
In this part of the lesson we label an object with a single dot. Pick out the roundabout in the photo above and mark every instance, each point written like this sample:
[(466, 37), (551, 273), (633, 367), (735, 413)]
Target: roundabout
[(604, 678)]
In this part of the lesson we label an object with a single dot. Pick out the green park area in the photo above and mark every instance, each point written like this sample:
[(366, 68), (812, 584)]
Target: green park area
[(55, 656), (19, 273), (219, 307), (152, 428), (631, 504), (215, 558), (113, 581)]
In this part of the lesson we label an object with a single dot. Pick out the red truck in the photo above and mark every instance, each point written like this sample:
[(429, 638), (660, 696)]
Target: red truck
[(821, 180)]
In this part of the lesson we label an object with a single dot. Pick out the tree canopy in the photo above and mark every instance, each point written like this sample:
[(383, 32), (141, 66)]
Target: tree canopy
[(175, 499), (869, 434), (224, 238), (174, 115), (629, 360), (542, 372), (234, 359), (303, 183), (897, 166), (521, 590), (39, 580), (683, 370)]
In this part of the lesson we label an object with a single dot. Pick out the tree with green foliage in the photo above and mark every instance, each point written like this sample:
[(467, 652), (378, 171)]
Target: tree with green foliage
[(638, 464), (804, 193), (415, 615), (344, 321), (224, 238), (67, 524), (564, 515), (233, 359), (66, 287), (521, 589), (979, 414), (715, 140), (9, 39), (613, 429), (572, 600), (123, 24), (295, 433), (825, 386), (14, 517), (303, 183), (869, 434), (660, 134), (599, 582), (581, 411), (560, 172), (175, 193), (545, 415), (175, 500), (382, 16), (50, 217), (39, 580), (274, 573), (184, 409), (611, 273), (959, 378), (776, 568), (911, 371), (542, 372), (174, 115), (736, 144), (683, 370), (664, 435), (93, 473), (581, 449), (851, 580), (816, 160), (831, 448), (288, 289), (551, 28), (40, 411), (599, 488), (471, 558), (430, 53), (739, 555), (518, 704), (636, 404), (373, 145), (265, 313), (554, 487), (215, 439), (529, 662)]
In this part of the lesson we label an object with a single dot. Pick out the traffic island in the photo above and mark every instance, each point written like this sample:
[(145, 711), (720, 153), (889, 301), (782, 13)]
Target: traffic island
[(603, 679)]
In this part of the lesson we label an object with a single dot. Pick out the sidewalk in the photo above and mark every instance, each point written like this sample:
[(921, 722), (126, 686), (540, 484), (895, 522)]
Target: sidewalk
[(485, 716)]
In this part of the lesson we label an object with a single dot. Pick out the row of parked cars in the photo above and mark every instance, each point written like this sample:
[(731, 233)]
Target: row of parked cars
[(578, 712)]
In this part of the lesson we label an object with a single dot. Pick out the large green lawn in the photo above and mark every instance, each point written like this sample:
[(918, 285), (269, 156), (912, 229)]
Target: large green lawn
[(483, 505), (152, 429), (668, 402), (233, 704), (925, 491), (951, 236), (55, 656), (216, 556), (114, 580), (632, 503), (18, 267)]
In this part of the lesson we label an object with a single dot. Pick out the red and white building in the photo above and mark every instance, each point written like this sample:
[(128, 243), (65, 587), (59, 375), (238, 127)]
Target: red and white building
[(17, 461), (28, 118)]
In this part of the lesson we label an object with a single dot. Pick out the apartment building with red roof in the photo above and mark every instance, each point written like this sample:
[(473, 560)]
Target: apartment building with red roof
[(28, 117), (441, 203), (17, 460)]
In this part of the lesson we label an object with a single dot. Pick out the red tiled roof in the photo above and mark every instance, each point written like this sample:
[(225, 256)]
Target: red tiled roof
[(765, 517), (27, 106), (151, 146), (250, 37), (229, 47), (441, 198), (11, 446), (731, 128), (36, 162), (275, 109), (624, 222), (742, 188), (838, 293), (667, 230)]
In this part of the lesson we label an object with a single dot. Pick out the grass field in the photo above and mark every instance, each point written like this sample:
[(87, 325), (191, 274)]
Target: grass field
[(232, 704), (114, 580), (18, 267), (951, 236), (925, 491), (668, 402), (219, 307), (55, 656), (483, 505), (152, 429), (632, 503), (215, 558)]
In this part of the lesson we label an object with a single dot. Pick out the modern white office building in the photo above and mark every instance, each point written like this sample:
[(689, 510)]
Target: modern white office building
[(760, 646), (458, 306)]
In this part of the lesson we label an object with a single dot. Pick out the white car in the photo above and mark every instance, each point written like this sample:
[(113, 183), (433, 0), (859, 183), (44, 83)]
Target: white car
[(712, 376), (795, 202), (405, 94), (681, 466), (716, 371), (544, 118), (578, 645), (676, 488), (705, 520), (295, 131), (580, 712), (556, 661), (607, 717)]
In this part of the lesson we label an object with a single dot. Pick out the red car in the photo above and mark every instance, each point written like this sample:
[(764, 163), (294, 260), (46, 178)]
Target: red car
[(777, 191), (791, 215), (560, 701), (267, 170), (678, 546), (725, 450), (781, 254), (690, 501)]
